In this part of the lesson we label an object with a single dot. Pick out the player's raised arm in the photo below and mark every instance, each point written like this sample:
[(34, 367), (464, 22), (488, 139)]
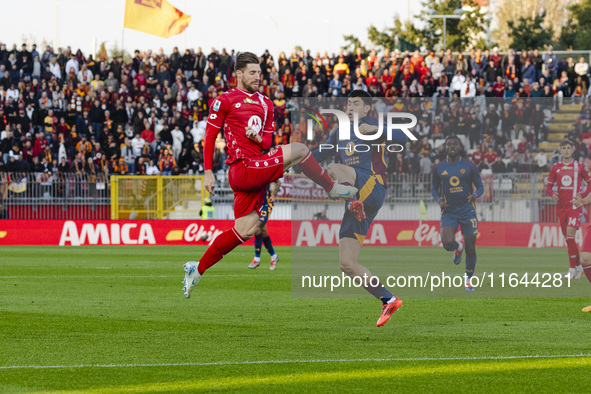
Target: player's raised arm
[(215, 120)]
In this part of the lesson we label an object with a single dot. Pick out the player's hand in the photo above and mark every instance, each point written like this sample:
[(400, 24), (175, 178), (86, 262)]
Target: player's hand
[(367, 128), (443, 204), (555, 197), (578, 201), (209, 182), (472, 198), (253, 135), (272, 199)]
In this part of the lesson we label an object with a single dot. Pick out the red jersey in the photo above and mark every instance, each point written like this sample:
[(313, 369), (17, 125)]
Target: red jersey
[(569, 180), (235, 110)]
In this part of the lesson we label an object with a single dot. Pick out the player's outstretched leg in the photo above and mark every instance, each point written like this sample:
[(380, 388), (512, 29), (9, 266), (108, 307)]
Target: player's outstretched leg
[(347, 176), (297, 153), (470, 241), (223, 244), (349, 262)]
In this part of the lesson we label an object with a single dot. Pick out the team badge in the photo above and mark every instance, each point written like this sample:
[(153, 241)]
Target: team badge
[(350, 149), (216, 105), (567, 180), (463, 171), (255, 123)]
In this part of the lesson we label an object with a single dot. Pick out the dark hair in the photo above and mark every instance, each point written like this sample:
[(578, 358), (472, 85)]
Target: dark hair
[(455, 137), (245, 58), (365, 96), (567, 142)]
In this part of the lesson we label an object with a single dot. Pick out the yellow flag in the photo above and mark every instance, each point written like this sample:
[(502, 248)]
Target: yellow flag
[(157, 17), (422, 210)]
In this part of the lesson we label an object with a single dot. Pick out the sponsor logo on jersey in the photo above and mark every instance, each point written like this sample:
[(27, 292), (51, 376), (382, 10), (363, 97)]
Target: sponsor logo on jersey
[(250, 101), (216, 105), (444, 172), (454, 181), (237, 105), (255, 123), (213, 116)]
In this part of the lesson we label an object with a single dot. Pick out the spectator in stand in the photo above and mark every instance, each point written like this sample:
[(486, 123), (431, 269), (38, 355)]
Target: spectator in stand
[(581, 70)]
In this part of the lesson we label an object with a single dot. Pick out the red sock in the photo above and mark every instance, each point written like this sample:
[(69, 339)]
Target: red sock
[(312, 170), (222, 245), (573, 251), (587, 270)]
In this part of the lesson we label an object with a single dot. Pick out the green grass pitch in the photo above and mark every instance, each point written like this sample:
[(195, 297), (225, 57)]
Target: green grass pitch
[(113, 319)]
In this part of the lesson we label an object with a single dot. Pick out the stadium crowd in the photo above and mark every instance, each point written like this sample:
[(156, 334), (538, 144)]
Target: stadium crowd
[(62, 111)]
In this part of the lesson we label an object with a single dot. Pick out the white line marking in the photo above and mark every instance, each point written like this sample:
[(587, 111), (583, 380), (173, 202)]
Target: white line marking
[(253, 275), (537, 356)]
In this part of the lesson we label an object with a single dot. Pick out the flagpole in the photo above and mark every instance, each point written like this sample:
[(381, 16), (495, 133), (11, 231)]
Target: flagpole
[(185, 32), (122, 44)]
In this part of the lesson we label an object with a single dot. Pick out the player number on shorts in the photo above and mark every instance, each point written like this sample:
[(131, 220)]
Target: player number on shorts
[(572, 222), (474, 223)]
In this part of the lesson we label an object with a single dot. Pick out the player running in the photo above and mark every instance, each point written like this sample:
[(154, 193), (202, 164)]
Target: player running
[(247, 118), (568, 175), (367, 171), (261, 236), (452, 188)]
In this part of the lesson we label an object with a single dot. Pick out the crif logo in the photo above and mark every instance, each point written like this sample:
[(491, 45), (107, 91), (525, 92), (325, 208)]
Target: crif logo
[(345, 125)]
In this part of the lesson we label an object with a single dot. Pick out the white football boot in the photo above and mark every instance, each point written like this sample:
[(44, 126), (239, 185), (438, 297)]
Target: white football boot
[(192, 277)]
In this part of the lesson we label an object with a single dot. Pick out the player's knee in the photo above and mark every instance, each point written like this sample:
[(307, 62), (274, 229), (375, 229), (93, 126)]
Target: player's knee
[(585, 259), (298, 150), (449, 245), (347, 266)]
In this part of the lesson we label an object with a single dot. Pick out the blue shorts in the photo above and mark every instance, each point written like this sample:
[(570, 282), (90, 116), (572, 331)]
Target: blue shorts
[(372, 193), (467, 221), (266, 210)]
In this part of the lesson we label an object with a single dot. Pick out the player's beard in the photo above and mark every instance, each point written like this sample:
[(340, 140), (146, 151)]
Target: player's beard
[(249, 88)]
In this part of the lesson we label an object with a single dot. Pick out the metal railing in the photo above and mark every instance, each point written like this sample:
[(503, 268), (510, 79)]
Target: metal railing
[(511, 197), (45, 195)]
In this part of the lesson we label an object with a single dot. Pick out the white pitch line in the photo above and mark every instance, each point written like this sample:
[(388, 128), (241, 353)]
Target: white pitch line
[(294, 361), (129, 276)]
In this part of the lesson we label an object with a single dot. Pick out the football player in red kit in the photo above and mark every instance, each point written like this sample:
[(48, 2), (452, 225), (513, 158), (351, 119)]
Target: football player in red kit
[(568, 175), (247, 120)]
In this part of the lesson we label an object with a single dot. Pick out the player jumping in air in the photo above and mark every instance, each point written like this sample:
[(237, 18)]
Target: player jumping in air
[(452, 189), (367, 171), (261, 236), (247, 120), (568, 175), (578, 202)]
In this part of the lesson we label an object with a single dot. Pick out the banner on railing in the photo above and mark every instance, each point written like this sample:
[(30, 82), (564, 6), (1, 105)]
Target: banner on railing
[(283, 233)]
